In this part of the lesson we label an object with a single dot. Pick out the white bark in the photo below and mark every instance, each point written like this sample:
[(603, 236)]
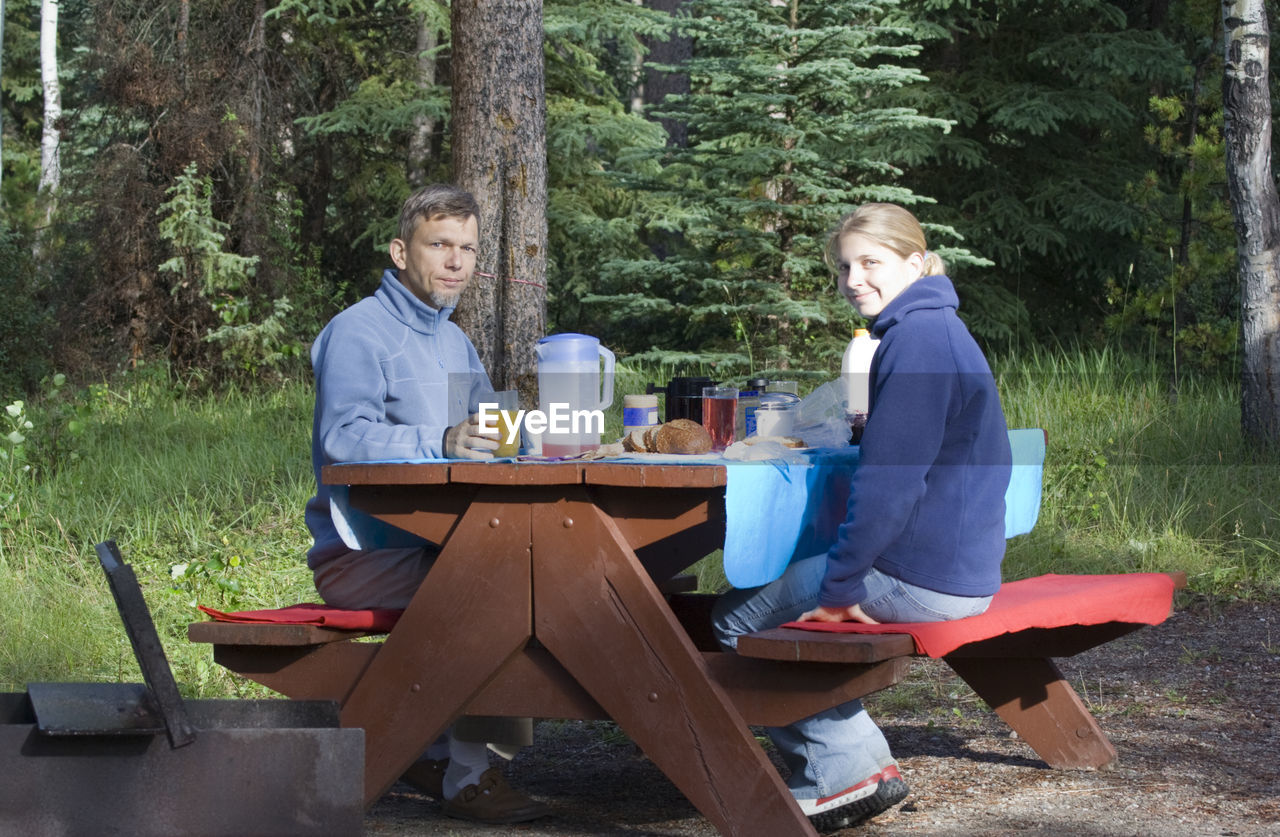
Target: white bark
[(50, 166), (1, 100), (1247, 121)]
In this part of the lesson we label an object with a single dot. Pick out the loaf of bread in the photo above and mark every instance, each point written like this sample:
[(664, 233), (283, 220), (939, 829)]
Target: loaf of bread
[(682, 436), (675, 436)]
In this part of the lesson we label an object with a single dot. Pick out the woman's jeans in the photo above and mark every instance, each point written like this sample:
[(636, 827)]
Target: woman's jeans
[(838, 748)]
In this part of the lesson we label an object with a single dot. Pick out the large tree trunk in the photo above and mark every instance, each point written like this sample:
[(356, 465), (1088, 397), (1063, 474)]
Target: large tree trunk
[(50, 163), (1247, 117), (499, 155), (423, 125)]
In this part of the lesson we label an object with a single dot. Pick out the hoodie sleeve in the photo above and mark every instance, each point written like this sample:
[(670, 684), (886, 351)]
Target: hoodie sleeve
[(914, 392), (351, 397)]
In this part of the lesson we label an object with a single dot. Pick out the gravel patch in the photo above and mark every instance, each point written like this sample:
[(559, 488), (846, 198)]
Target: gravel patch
[(1192, 707)]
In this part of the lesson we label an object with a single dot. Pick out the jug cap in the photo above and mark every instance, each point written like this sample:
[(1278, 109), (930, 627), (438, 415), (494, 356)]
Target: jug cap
[(569, 347), (568, 335)]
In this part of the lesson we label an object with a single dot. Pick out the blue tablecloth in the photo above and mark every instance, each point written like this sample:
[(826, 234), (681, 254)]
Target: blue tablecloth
[(788, 511), (775, 511)]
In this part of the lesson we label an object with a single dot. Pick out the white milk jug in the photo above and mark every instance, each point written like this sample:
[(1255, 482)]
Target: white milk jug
[(855, 372), (573, 392)]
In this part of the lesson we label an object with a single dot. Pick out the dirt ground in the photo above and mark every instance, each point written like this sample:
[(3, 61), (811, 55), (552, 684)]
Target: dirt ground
[(1192, 706)]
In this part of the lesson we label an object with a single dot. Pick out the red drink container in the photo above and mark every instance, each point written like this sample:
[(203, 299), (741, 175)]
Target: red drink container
[(719, 409)]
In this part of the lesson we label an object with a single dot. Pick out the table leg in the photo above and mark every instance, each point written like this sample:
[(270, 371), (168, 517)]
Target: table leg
[(469, 617), (597, 611), (1032, 697)]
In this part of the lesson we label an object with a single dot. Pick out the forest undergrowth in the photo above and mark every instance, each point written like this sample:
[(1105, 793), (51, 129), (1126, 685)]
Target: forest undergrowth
[(203, 492)]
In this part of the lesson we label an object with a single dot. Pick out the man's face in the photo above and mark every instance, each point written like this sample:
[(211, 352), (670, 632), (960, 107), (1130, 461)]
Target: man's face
[(436, 264)]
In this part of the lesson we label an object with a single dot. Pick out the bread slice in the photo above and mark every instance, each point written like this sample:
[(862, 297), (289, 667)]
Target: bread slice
[(634, 441)]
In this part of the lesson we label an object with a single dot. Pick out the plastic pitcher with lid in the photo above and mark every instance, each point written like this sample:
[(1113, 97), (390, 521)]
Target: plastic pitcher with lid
[(573, 392)]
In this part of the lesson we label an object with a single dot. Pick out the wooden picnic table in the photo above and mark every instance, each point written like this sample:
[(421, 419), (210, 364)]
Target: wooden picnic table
[(552, 598), (545, 602)]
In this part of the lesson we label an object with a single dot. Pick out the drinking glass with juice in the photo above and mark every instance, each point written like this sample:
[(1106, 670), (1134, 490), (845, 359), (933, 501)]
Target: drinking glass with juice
[(719, 409), (508, 408)]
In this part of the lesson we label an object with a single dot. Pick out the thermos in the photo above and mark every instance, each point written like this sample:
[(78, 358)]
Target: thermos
[(683, 397)]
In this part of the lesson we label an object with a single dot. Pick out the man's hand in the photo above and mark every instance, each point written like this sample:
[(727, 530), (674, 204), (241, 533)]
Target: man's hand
[(465, 441), (852, 613)]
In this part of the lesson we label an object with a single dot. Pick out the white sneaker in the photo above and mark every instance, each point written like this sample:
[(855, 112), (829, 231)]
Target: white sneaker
[(858, 803), (862, 790)]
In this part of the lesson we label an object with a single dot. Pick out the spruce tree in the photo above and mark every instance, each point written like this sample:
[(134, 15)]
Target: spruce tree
[(789, 124), (593, 51), (1049, 101)]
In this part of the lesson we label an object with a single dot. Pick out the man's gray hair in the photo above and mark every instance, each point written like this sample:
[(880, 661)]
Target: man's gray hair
[(434, 201)]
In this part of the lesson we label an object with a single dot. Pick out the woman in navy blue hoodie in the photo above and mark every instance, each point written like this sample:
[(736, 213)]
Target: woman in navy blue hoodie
[(923, 536)]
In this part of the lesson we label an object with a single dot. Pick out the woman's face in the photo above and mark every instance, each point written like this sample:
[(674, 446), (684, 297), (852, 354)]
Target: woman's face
[(871, 275)]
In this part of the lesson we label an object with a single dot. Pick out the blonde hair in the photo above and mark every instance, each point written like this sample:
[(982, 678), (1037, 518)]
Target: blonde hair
[(889, 225)]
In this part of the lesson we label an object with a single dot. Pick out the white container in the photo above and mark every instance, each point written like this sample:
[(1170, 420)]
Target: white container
[(573, 392), (855, 374), (775, 418), (638, 412)]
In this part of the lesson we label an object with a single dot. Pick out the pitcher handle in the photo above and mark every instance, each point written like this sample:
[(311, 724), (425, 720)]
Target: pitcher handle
[(606, 380)]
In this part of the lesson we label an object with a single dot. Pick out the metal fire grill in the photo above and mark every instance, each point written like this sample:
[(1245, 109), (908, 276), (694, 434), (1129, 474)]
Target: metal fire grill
[(137, 760)]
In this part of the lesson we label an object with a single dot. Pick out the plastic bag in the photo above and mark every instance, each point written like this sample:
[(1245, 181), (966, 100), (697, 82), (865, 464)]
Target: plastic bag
[(821, 421)]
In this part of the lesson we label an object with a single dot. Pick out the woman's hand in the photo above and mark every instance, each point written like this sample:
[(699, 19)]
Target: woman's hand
[(852, 613)]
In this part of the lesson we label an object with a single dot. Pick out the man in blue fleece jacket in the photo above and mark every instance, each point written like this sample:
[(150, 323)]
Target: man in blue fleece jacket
[(395, 379), (923, 536)]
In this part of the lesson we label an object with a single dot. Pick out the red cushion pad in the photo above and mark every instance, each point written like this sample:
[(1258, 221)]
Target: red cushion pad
[(376, 620), (1047, 601)]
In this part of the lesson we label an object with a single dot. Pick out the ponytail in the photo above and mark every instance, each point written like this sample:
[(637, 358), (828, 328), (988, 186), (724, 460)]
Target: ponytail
[(891, 226)]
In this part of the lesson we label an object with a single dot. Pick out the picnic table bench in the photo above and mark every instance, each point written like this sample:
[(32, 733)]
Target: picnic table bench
[(1014, 673)]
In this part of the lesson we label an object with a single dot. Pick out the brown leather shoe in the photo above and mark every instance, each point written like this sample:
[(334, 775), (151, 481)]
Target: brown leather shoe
[(427, 776), (492, 800)]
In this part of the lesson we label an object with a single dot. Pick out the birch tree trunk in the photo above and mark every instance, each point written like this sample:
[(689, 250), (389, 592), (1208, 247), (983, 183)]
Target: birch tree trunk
[(499, 115), (184, 26), (252, 226), (1, 104), (50, 165), (1247, 116)]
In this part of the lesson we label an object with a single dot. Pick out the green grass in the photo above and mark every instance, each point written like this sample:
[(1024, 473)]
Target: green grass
[(1140, 477), (204, 497), (205, 494)]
